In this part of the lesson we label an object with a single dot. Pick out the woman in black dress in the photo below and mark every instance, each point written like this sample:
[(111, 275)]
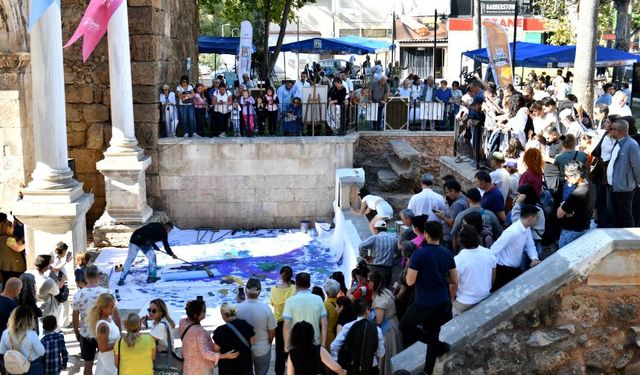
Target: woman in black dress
[(306, 358)]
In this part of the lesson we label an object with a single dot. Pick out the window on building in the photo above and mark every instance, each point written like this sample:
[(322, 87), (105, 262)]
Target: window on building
[(349, 32), (375, 33)]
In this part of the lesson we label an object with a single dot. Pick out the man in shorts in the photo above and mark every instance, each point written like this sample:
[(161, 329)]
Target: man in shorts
[(83, 300)]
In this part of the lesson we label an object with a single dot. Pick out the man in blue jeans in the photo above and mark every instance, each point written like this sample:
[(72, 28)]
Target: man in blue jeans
[(575, 213), (144, 239), (432, 269)]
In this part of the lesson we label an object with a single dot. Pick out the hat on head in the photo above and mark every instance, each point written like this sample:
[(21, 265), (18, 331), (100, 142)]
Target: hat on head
[(497, 156), (380, 224), (253, 285)]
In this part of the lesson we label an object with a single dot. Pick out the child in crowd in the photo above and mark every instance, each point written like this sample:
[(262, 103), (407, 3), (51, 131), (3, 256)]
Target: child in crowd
[(293, 118), (271, 100), (235, 118), (261, 113), (55, 357), (247, 103), (200, 106), (82, 261)]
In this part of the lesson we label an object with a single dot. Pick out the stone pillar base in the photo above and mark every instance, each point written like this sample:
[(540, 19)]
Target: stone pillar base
[(107, 233), (50, 216), (346, 180), (125, 188)]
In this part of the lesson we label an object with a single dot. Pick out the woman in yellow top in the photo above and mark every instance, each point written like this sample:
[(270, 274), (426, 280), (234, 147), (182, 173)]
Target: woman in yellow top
[(12, 263), (279, 295), (134, 353)]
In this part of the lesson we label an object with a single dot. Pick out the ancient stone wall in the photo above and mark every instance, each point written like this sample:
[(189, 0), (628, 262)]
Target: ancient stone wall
[(580, 329), (577, 312), (163, 33), (373, 153), (250, 182), (16, 148)]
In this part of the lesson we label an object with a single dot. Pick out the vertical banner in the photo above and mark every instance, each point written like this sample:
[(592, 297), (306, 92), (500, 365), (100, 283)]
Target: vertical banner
[(37, 9), (93, 25), (498, 52), (245, 50)]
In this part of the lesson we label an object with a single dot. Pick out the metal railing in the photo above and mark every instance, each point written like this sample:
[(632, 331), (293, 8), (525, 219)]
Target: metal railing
[(320, 118)]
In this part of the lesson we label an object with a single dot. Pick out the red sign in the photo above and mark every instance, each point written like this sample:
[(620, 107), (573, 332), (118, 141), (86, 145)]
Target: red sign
[(609, 36)]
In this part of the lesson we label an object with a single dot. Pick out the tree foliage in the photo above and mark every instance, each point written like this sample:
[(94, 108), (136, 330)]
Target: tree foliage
[(563, 29), (261, 13)]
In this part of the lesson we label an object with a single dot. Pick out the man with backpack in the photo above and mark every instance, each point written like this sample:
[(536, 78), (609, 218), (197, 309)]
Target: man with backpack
[(360, 343)]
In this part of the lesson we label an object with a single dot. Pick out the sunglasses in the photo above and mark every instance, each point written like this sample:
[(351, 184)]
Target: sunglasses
[(152, 311)]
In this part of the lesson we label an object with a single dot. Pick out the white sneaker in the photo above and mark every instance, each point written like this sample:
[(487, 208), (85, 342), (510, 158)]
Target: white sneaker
[(222, 135), (196, 136)]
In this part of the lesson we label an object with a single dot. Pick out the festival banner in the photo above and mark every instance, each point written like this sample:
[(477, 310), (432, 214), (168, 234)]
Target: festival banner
[(498, 52), (37, 9), (245, 49), (94, 24)]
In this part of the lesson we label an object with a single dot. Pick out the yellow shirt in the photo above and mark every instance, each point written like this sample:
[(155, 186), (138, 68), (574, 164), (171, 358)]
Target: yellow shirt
[(136, 360), (332, 318), (278, 296)]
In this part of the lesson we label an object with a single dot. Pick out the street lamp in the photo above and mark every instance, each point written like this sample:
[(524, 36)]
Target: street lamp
[(222, 28)]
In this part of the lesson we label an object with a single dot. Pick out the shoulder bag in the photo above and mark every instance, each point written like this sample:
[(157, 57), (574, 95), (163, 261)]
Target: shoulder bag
[(171, 361), (239, 335)]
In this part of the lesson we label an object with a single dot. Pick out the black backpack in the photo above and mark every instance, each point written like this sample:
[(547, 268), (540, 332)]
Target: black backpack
[(359, 347)]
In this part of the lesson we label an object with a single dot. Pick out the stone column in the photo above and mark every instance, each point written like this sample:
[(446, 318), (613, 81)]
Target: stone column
[(124, 162), (54, 204)]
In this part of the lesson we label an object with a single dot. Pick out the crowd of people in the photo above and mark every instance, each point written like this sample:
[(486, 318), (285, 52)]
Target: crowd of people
[(249, 108)]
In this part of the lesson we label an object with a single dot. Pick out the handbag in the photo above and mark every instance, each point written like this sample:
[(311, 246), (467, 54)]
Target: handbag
[(169, 362)]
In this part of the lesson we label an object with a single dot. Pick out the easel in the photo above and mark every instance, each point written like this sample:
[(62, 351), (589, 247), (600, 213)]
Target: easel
[(315, 104)]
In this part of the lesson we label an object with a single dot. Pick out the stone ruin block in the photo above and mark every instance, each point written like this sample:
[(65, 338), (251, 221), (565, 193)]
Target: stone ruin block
[(404, 160)]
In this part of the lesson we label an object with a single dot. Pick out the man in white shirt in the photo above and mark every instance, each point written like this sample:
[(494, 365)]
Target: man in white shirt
[(261, 318), (427, 202), (348, 84), (510, 246), (297, 88), (476, 267), (500, 176)]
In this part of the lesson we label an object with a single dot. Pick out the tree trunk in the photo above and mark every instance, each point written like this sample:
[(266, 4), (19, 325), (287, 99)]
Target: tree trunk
[(264, 72), (283, 29), (572, 16), (583, 80), (623, 31), (477, 26)]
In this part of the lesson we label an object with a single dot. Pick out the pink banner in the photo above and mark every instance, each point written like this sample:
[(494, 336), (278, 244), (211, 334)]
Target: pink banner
[(93, 25)]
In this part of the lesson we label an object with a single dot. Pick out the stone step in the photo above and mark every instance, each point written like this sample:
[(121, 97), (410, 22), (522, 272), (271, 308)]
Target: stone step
[(388, 180), (404, 160)]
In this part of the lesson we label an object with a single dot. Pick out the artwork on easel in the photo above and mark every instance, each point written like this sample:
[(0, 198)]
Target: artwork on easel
[(316, 112)]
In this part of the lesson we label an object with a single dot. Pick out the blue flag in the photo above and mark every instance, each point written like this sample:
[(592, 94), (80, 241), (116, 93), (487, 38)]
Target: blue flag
[(37, 9)]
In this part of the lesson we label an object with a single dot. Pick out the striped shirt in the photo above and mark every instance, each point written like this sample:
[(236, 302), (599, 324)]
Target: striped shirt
[(55, 356), (382, 246)]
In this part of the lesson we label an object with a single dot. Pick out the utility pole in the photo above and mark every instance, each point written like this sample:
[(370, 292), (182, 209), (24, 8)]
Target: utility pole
[(477, 22), (435, 40)]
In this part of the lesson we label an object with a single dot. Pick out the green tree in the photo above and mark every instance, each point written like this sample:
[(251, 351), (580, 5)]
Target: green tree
[(261, 13)]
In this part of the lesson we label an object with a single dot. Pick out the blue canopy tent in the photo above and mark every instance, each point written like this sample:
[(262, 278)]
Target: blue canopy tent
[(337, 46), (534, 55), (219, 45)]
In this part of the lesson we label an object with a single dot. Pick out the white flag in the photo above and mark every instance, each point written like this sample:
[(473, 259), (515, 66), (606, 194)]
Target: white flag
[(245, 49)]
